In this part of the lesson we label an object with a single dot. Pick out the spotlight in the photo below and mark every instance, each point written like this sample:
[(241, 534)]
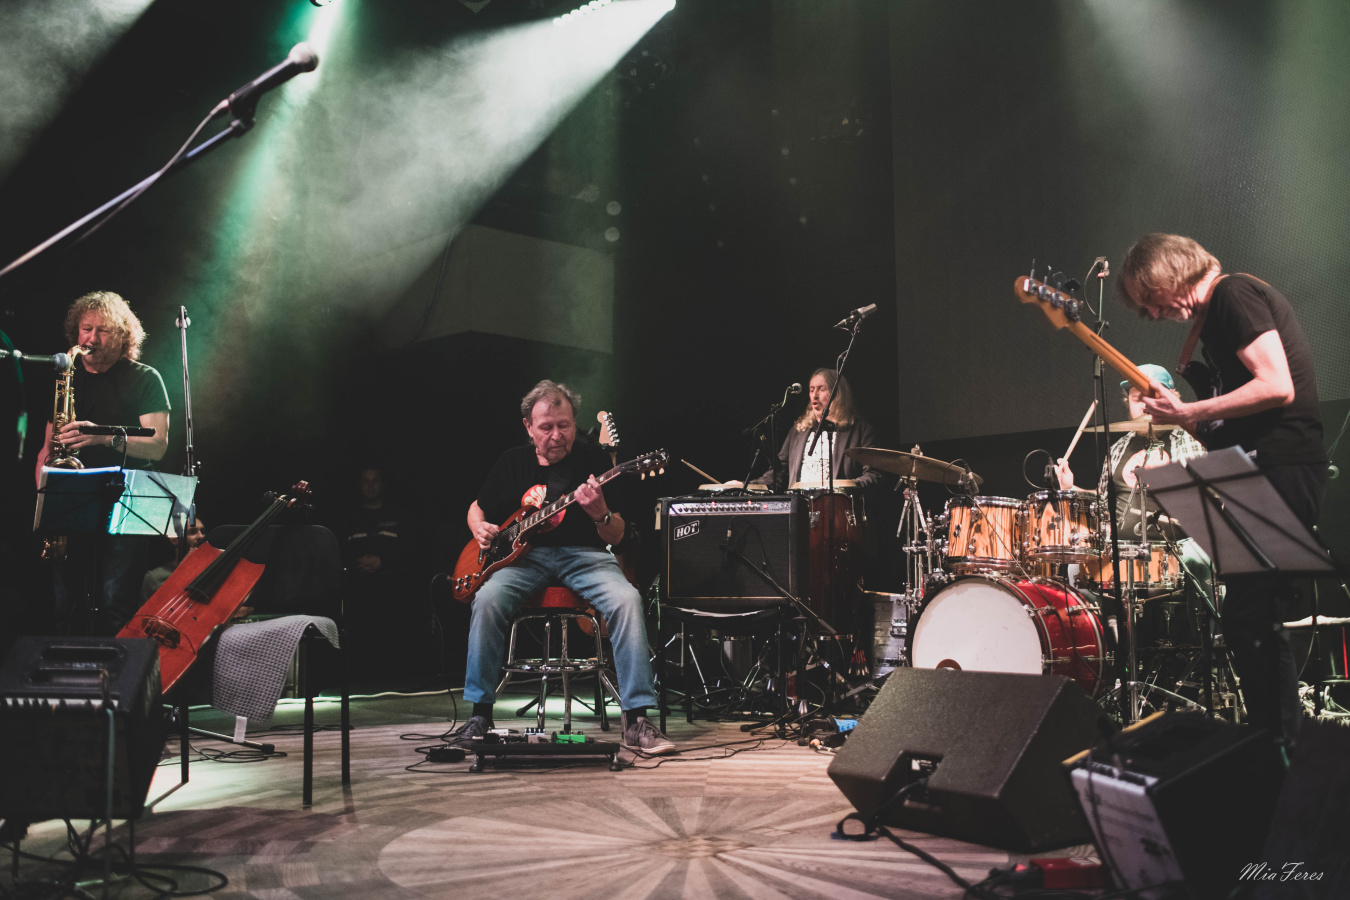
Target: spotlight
[(321, 2), (582, 10)]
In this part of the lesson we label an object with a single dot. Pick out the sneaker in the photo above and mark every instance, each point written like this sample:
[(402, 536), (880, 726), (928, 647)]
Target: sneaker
[(476, 726), (643, 737)]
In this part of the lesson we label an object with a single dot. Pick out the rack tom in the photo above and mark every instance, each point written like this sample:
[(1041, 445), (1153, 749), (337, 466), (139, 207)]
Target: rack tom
[(984, 534), (1062, 526)]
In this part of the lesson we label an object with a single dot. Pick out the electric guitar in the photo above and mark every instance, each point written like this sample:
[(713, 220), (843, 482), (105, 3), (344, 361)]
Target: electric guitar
[(476, 563)]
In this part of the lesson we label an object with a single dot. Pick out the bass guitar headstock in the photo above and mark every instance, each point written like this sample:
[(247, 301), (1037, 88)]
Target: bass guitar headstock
[(1061, 308)]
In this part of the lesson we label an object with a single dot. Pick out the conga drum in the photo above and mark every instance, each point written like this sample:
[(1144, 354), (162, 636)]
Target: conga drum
[(836, 526)]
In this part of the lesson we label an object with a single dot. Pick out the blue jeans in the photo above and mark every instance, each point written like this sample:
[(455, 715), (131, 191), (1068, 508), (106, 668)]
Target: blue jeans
[(593, 574)]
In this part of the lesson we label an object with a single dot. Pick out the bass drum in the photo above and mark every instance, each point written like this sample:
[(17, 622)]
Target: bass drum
[(987, 624)]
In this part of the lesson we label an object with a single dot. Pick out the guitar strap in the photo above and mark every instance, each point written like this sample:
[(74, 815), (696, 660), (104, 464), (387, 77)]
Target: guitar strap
[(1188, 349)]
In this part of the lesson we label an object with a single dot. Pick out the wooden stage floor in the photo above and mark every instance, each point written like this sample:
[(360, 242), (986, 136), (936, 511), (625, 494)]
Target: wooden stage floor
[(708, 823)]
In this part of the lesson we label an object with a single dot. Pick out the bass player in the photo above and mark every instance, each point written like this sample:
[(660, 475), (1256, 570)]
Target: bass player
[(1266, 403)]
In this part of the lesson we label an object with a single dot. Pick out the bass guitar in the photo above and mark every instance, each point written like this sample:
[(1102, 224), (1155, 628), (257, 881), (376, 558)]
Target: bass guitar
[(1062, 311), (476, 563), (202, 593)]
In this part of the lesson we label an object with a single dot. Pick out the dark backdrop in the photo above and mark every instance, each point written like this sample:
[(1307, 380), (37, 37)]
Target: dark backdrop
[(777, 164)]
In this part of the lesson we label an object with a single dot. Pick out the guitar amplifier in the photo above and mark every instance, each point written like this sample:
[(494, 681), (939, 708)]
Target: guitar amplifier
[(702, 573), (55, 696)]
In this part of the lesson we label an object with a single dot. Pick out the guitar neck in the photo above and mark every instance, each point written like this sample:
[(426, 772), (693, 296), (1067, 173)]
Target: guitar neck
[(550, 510), (1117, 360)]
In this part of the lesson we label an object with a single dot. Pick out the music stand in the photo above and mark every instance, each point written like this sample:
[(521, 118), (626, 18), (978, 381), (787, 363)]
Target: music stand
[(1236, 516), (113, 501)]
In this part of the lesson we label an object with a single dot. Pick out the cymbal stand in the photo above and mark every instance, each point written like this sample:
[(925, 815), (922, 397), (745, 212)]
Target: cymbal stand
[(920, 549)]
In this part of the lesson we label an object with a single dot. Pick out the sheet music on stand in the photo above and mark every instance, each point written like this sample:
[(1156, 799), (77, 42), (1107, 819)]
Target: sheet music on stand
[(113, 501), (1236, 515)]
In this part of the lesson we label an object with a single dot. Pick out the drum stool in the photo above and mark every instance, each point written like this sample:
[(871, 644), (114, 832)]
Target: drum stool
[(559, 605)]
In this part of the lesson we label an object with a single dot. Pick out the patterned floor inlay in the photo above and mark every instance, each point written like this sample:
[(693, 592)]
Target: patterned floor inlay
[(756, 824)]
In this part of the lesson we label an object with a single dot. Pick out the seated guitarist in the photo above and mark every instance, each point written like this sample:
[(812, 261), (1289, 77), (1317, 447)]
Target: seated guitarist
[(573, 554), (1266, 403)]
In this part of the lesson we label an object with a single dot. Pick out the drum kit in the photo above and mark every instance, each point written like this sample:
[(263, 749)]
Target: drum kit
[(1000, 584)]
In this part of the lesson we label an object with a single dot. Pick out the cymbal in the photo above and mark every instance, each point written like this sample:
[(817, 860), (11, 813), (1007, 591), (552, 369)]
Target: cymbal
[(907, 465), (1141, 425)]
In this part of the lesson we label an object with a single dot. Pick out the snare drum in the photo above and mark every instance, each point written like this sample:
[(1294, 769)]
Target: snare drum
[(1062, 526), (1158, 569), (989, 624), (984, 533)]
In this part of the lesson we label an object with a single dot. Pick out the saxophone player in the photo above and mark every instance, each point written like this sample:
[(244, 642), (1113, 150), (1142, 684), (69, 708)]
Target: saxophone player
[(110, 387)]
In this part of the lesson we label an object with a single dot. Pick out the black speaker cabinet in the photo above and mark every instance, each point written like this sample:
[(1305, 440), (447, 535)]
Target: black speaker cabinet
[(1182, 797), (702, 573), (54, 698), (992, 746)]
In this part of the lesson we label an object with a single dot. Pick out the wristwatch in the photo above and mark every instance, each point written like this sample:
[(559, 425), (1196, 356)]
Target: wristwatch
[(118, 440), (601, 523)]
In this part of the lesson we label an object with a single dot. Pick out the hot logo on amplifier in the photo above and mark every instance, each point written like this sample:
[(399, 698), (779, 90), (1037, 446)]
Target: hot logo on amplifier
[(687, 529)]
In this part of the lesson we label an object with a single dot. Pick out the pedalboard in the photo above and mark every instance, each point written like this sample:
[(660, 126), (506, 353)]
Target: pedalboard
[(535, 745)]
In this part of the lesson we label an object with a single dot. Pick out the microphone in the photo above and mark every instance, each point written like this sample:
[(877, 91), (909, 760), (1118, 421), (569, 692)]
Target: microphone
[(856, 316), (795, 388), (1333, 471), (1105, 266), (60, 360), (242, 102)]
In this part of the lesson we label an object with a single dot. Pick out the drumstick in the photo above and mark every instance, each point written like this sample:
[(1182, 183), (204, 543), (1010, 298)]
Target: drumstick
[(701, 472), (1079, 433)]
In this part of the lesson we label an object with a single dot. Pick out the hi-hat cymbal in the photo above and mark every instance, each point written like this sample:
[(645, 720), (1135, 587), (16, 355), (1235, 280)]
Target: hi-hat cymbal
[(908, 465), (1141, 425)]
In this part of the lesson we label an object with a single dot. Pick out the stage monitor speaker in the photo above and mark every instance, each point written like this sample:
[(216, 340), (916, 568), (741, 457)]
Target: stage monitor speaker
[(1181, 797), (992, 746), (1310, 832), (701, 572), (54, 697)]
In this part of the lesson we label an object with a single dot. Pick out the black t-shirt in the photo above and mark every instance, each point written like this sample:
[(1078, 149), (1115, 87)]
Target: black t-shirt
[(119, 396), (518, 470), (1241, 309)]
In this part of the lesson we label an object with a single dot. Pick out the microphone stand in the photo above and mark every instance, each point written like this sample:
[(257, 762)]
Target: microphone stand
[(235, 128), (812, 443), (190, 460), (763, 430)]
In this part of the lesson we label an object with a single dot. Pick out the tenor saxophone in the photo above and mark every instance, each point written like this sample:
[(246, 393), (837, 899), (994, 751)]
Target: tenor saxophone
[(59, 456)]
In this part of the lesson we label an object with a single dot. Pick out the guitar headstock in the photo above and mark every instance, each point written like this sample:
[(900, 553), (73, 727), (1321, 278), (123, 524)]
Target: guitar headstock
[(609, 432), (1060, 308), (649, 463)]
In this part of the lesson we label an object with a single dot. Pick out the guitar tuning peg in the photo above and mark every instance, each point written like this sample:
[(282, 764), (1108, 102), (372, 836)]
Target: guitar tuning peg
[(642, 477), (661, 471)]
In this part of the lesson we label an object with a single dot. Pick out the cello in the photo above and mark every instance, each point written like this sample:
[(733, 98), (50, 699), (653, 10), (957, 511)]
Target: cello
[(202, 593)]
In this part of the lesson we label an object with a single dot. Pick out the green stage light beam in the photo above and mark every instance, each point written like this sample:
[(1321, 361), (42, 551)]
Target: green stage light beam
[(47, 47)]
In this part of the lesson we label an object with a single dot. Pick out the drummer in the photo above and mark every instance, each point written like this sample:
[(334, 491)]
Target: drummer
[(844, 429), (1144, 450)]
